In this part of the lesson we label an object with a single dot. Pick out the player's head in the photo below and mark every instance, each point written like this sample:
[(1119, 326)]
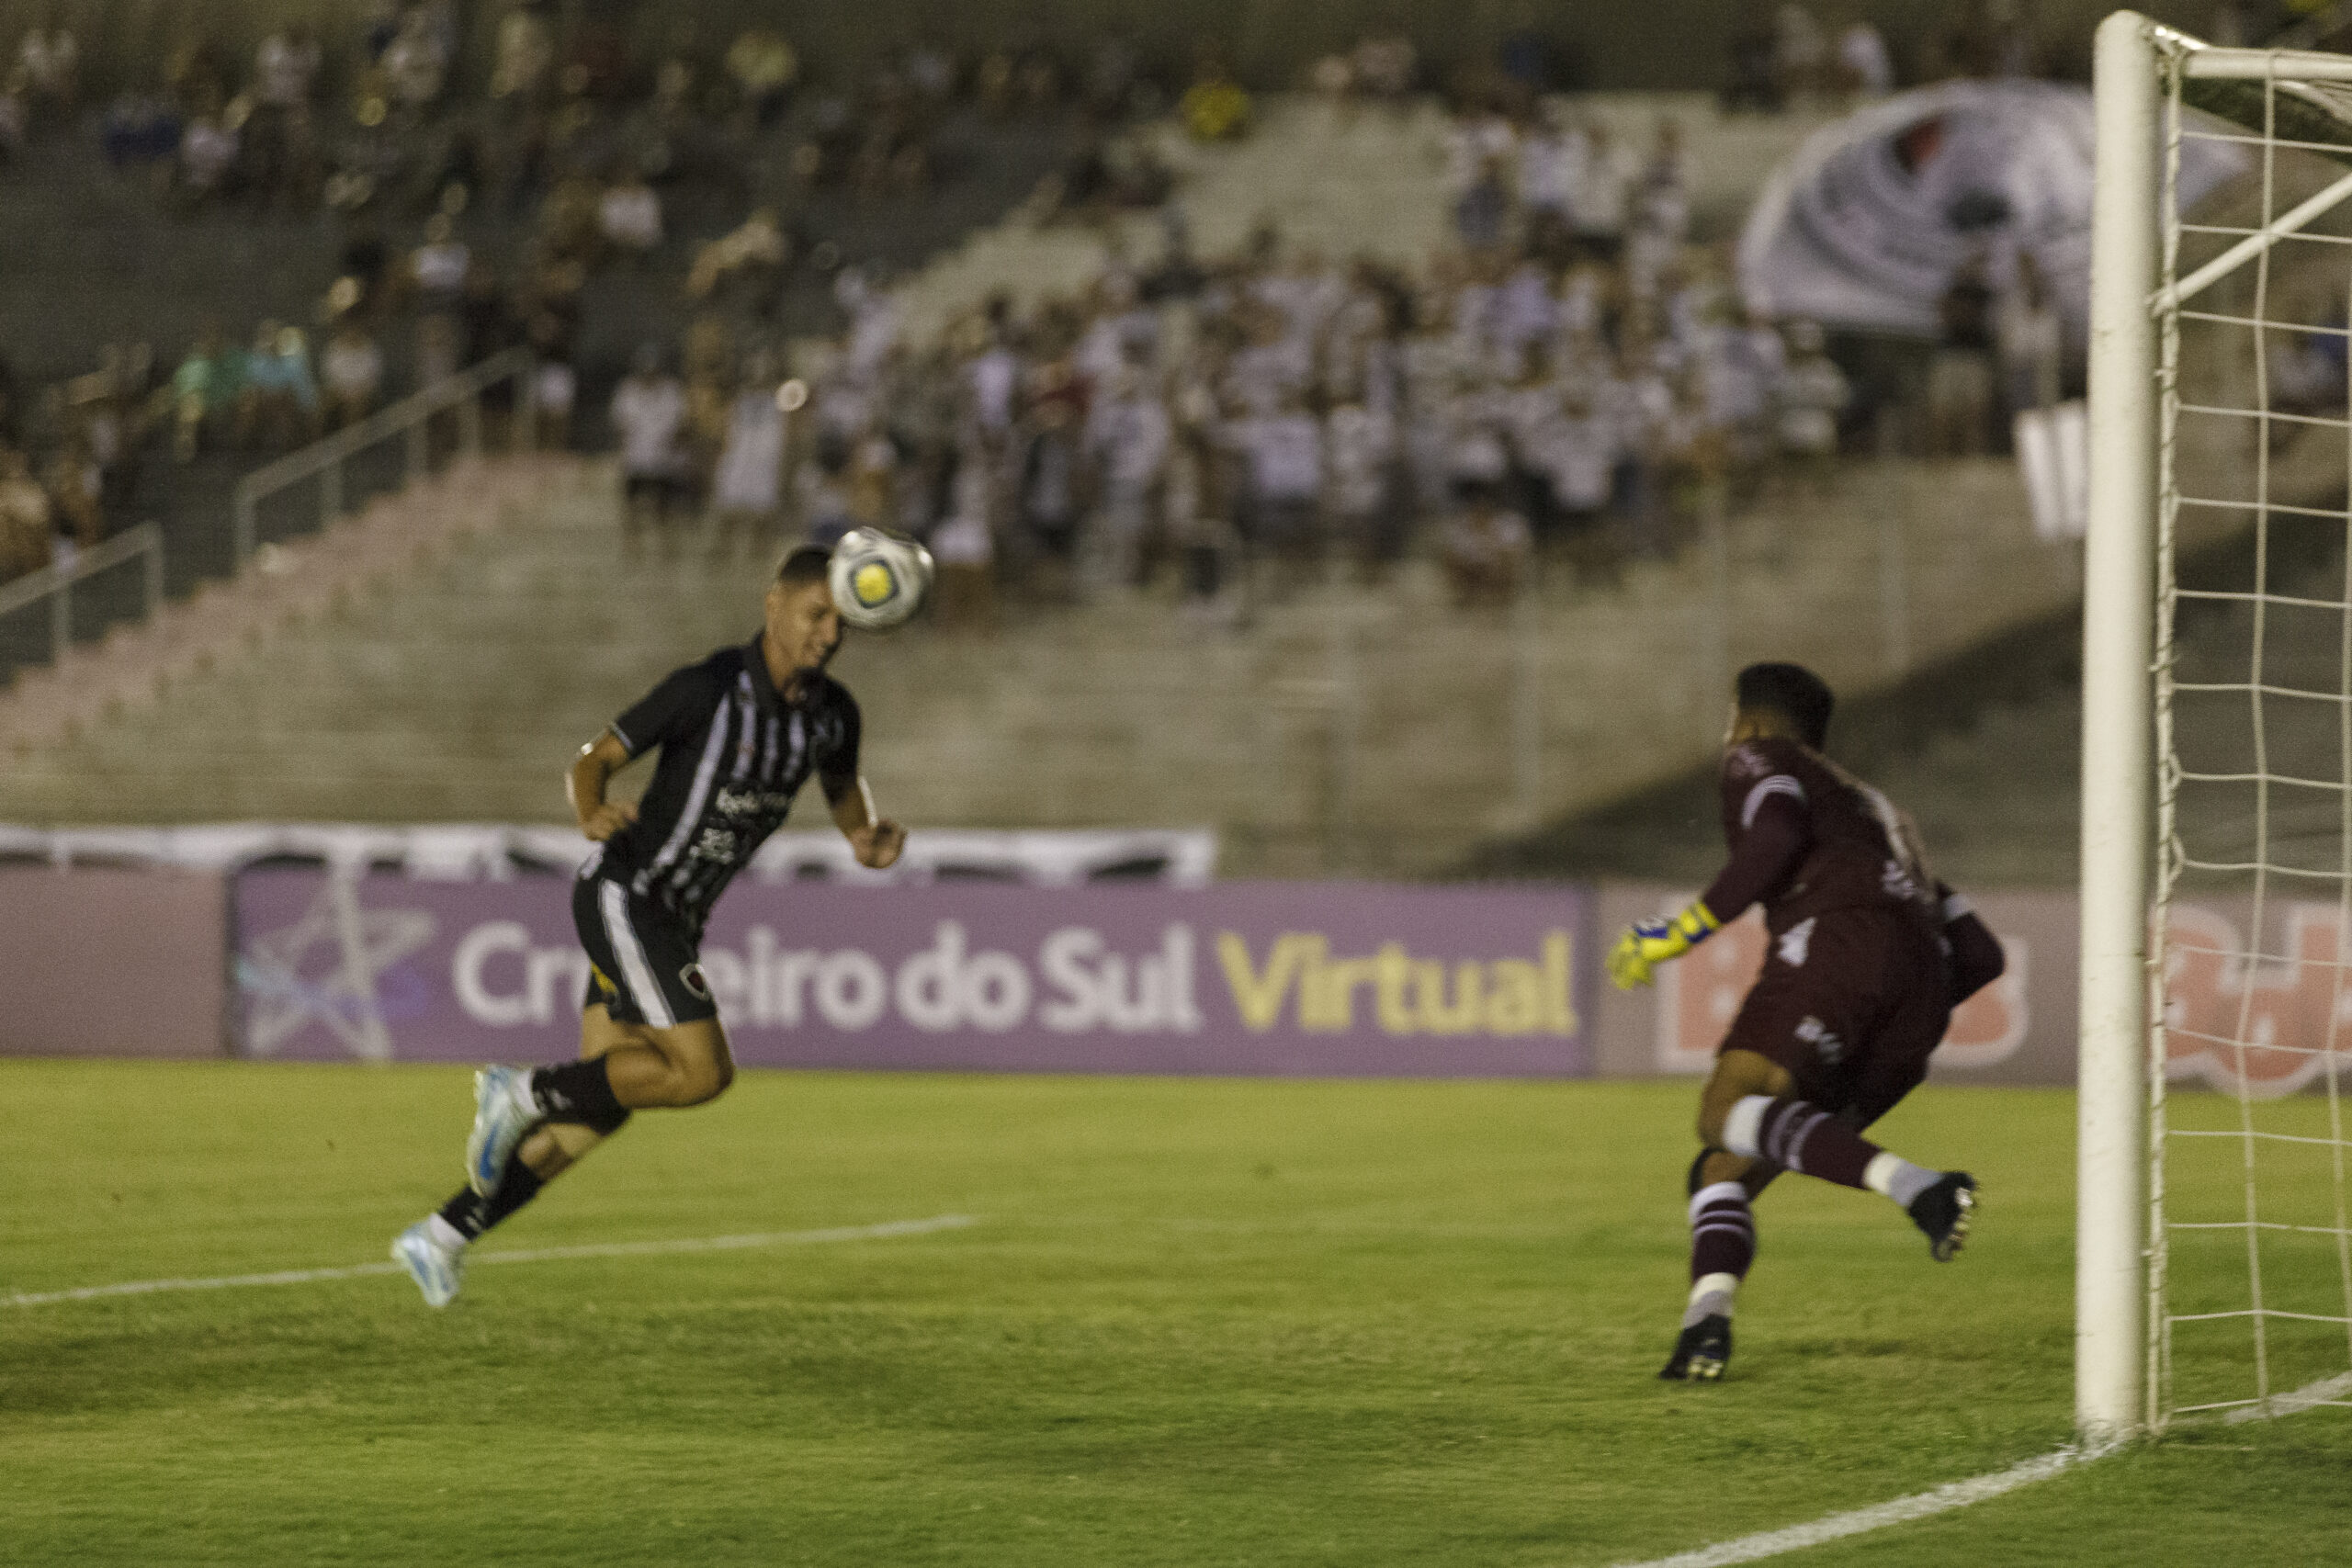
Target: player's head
[(1790, 698), (803, 624)]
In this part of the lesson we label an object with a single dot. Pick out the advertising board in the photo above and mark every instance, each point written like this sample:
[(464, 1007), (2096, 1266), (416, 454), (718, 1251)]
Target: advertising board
[(1311, 979)]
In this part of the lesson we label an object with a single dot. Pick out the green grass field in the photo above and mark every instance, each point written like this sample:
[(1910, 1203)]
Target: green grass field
[(1202, 1322)]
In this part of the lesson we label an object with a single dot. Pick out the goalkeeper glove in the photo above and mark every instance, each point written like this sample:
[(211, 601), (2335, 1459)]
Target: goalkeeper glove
[(1648, 944)]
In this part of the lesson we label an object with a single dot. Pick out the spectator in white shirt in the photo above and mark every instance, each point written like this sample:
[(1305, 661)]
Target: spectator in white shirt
[(648, 414), (1812, 393), (208, 149), (1865, 69), (1282, 485), (1604, 194), (1800, 51), (2029, 338), (439, 268), (1360, 442), (1127, 444), (629, 216), (1272, 366), (1576, 451), (416, 61), (747, 484), (1642, 399), (286, 67), (50, 61), (1479, 140), (351, 372), (964, 546), (1551, 166)]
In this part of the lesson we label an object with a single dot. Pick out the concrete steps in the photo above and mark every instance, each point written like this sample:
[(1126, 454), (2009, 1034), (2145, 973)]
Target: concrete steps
[(1368, 731)]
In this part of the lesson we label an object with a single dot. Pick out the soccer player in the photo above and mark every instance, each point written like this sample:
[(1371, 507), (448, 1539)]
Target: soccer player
[(738, 734), (1869, 956)]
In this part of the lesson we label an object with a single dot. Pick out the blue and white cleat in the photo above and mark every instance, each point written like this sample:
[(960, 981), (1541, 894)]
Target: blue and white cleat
[(437, 1269), (504, 1112)]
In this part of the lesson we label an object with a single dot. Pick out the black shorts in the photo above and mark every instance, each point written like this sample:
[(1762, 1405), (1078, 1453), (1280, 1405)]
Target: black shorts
[(1851, 1002), (647, 967)]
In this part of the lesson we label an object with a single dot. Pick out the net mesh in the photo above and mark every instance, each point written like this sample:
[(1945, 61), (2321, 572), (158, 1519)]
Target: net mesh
[(2251, 1276)]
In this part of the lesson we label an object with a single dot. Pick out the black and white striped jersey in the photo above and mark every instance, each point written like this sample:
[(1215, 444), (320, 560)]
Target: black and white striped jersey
[(734, 752)]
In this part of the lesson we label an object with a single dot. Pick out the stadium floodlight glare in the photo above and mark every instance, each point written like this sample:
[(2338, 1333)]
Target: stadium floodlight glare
[(2213, 1259)]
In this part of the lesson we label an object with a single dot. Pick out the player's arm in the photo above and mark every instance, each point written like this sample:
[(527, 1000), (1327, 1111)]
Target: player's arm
[(1771, 850), (585, 787), (1976, 957), (875, 839), (664, 715)]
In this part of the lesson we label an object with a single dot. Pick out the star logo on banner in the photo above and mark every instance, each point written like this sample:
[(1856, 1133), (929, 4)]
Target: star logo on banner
[(281, 1000)]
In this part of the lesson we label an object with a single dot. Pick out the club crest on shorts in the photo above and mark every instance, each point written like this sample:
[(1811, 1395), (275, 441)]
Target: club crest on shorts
[(692, 978)]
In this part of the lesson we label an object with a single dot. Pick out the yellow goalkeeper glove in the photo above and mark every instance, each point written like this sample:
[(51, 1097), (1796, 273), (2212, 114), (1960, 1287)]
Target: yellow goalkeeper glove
[(1648, 944)]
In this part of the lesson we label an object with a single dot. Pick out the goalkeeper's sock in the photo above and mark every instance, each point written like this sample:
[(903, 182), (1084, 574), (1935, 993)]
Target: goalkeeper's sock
[(1798, 1137), (1890, 1174), (464, 1217), (1723, 1246)]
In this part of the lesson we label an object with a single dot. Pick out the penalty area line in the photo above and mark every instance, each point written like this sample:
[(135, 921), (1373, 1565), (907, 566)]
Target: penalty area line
[(533, 1255)]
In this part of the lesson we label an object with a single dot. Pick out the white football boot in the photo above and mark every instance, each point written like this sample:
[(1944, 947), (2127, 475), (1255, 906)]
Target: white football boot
[(504, 1112), (437, 1269)]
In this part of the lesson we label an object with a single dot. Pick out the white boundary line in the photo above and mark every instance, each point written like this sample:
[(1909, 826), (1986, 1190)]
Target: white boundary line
[(535, 1255), (1958, 1494)]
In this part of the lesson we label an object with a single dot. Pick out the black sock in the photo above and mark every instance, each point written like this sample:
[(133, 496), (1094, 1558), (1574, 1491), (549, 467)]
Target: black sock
[(469, 1213), (578, 1091)]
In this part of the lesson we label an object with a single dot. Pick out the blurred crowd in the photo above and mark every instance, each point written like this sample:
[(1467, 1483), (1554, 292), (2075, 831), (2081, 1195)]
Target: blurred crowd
[(1573, 376), (1573, 380), (1574, 371), (478, 202)]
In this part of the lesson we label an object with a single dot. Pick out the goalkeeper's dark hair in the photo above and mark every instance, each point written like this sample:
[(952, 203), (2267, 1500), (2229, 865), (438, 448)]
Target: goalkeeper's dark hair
[(1791, 692), (802, 565)]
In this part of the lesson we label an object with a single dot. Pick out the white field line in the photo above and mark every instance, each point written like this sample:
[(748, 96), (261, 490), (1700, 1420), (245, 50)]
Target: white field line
[(1836, 1527), (532, 1255), (1959, 1494), (2304, 1398)]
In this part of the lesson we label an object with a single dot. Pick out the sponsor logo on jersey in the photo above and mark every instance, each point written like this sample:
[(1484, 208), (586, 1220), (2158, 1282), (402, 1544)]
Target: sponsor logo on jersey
[(732, 802)]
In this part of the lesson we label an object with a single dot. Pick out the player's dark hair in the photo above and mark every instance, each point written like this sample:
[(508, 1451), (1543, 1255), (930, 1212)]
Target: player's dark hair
[(1792, 692), (804, 564)]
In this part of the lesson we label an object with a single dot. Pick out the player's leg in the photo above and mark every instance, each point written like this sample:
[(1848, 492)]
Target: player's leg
[(670, 1065), (1722, 1187), (433, 1249), (651, 1037), (1875, 992), (1894, 1064)]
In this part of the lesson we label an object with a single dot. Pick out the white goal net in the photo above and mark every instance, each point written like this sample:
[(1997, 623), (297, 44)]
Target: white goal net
[(2249, 1252)]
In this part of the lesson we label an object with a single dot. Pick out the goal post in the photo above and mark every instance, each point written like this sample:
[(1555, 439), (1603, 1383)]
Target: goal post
[(2213, 1242), (2119, 606)]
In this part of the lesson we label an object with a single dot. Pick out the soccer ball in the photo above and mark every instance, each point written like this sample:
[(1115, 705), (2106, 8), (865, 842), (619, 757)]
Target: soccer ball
[(878, 577)]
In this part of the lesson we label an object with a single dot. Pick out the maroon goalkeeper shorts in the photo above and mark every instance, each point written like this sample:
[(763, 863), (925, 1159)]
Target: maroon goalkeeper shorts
[(1851, 1002)]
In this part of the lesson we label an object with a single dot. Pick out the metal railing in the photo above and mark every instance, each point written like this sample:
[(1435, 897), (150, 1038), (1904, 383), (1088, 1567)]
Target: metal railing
[(55, 582), (408, 420)]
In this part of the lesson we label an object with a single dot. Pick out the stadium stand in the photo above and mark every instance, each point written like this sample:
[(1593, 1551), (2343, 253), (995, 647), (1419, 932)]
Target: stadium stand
[(1316, 738)]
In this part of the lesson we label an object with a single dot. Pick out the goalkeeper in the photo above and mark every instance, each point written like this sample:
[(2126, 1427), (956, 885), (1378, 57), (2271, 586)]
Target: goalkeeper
[(1868, 955)]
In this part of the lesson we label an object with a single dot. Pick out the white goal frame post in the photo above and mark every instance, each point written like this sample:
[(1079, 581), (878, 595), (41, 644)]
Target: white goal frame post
[(2120, 1082)]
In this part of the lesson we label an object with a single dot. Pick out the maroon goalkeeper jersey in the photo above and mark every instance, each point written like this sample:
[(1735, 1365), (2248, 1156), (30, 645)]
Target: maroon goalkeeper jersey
[(1862, 851)]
